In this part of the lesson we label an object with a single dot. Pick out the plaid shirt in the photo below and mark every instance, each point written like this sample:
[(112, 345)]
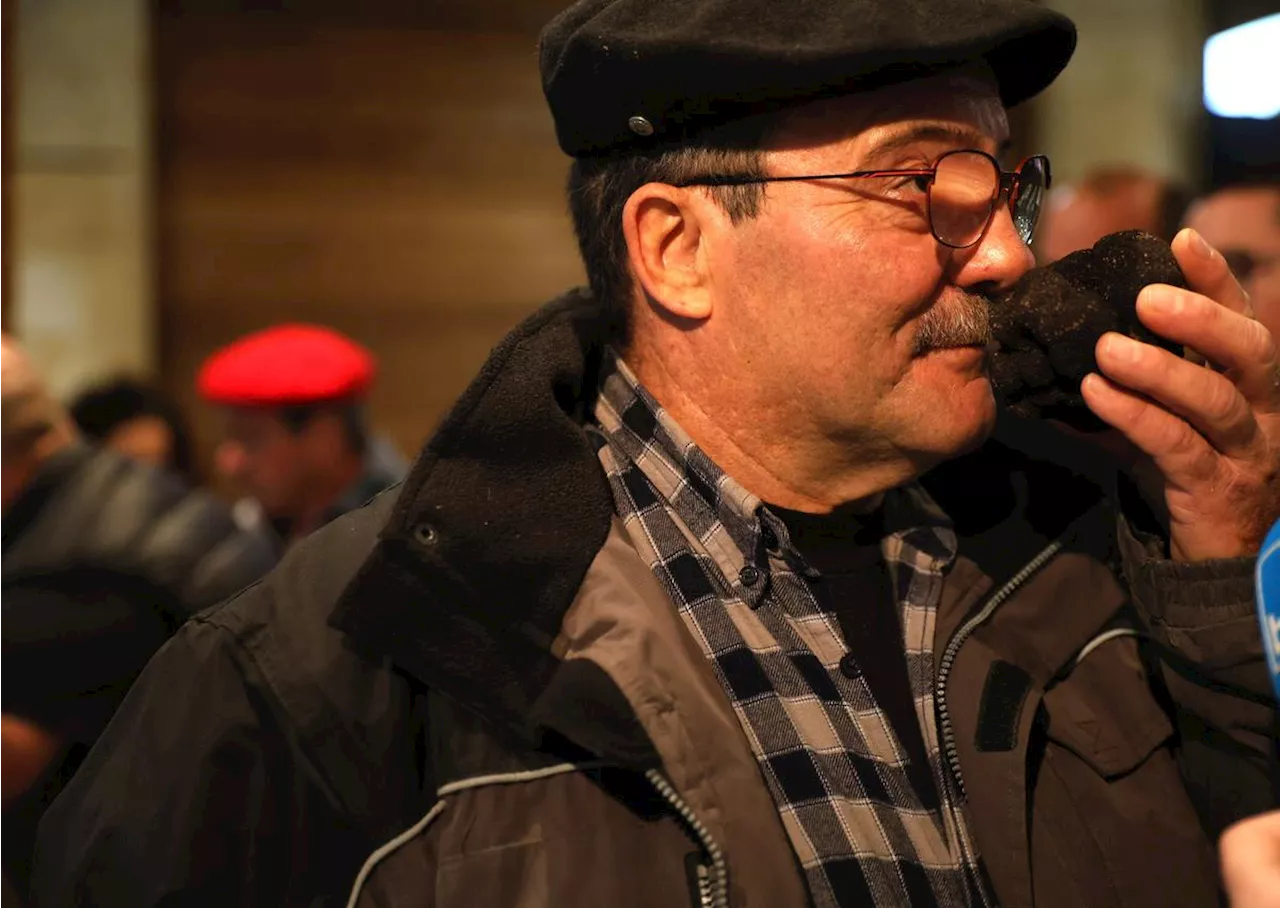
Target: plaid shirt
[(830, 759)]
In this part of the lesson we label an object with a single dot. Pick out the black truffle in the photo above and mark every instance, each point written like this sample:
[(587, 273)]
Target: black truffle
[(1047, 326)]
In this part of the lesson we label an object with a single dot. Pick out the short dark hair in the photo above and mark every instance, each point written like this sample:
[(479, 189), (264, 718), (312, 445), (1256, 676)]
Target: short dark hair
[(296, 417), (598, 189), (101, 409)]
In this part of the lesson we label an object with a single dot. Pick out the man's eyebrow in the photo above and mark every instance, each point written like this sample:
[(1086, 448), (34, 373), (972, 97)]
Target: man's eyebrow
[(946, 133)]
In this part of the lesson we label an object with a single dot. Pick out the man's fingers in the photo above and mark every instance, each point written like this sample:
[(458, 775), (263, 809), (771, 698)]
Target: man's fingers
[(1209, 402), (1236, 343), (1206, 272), (1180, 452)]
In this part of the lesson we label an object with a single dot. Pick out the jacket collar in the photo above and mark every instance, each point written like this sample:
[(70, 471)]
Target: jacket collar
[(496, 526)]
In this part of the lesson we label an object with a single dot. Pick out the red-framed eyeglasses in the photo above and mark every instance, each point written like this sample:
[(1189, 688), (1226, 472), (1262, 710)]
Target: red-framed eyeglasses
[(962, 190)]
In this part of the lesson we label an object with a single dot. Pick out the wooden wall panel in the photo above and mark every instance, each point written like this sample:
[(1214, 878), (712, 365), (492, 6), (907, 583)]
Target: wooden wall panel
[(395, 180)]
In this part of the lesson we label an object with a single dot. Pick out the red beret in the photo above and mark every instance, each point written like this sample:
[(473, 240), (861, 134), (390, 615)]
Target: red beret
[(286, 365)]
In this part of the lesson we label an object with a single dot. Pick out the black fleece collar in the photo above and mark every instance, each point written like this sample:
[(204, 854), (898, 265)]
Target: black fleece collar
[(497, 524)]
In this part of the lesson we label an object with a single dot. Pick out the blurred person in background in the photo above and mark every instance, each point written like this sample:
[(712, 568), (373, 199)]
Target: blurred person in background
[(103, 558), (1244, 223), (1106, 201), (295, 436), (137, 420)]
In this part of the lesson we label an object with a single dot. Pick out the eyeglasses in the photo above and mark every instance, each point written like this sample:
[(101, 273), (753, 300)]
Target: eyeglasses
[(962, 190), (1244, 264)]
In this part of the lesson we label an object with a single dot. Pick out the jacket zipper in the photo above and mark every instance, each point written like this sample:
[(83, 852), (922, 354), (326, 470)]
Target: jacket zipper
[(713, 888), (947, 733)]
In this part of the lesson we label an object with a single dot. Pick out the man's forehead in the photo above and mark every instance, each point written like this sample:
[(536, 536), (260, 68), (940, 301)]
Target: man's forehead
[(894, 137), (1264, 200), (250, 418), (1238, 210), (960, 109)]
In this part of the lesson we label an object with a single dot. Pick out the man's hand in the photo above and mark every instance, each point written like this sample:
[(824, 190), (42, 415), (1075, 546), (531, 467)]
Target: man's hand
[(1250, 852), (1212, 436)]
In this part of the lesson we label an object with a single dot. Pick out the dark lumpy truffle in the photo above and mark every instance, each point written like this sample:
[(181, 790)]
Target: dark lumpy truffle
[(1047, 326)]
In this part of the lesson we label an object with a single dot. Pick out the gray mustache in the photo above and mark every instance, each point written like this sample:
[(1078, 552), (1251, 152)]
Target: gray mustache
[(962, 323)]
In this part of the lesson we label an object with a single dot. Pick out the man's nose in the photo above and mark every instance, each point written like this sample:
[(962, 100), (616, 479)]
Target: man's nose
[(997, 260)]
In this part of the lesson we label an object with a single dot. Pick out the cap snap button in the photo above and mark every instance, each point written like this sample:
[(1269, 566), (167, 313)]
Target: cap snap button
[(426, 534), (640, 126)]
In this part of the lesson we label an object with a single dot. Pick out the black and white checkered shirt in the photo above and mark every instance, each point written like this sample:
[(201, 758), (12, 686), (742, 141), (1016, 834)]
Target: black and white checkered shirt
[(826, 750)]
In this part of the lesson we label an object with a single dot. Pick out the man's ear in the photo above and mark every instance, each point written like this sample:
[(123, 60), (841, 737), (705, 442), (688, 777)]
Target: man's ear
[(665, 228)]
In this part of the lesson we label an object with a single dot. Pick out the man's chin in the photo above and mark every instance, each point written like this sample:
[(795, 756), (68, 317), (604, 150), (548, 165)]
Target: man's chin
[(982, 430), (960, 423)]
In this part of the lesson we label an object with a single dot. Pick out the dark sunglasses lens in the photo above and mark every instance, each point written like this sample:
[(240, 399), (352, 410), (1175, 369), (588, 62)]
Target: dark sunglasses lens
[(1033, 180), (961, 197)]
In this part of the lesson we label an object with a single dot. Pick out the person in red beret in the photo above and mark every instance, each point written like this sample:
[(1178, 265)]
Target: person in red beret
[(295, 438)]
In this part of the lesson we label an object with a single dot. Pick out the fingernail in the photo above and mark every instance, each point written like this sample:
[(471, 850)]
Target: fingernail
[(1117, 346), (1161, 298), (1200, 246)]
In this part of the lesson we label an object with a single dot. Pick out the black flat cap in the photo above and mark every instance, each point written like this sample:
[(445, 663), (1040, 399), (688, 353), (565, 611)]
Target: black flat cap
[(622, 73)]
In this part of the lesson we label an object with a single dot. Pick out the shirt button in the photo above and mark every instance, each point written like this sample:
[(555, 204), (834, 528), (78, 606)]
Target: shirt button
[(749, 575), (849, 666)]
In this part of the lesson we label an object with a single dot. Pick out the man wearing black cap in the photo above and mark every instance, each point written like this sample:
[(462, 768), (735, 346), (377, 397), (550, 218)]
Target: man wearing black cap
[(713, 588)]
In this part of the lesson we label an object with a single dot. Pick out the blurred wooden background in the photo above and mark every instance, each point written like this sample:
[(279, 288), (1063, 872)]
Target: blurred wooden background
[(386, 168), (8, 144)]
